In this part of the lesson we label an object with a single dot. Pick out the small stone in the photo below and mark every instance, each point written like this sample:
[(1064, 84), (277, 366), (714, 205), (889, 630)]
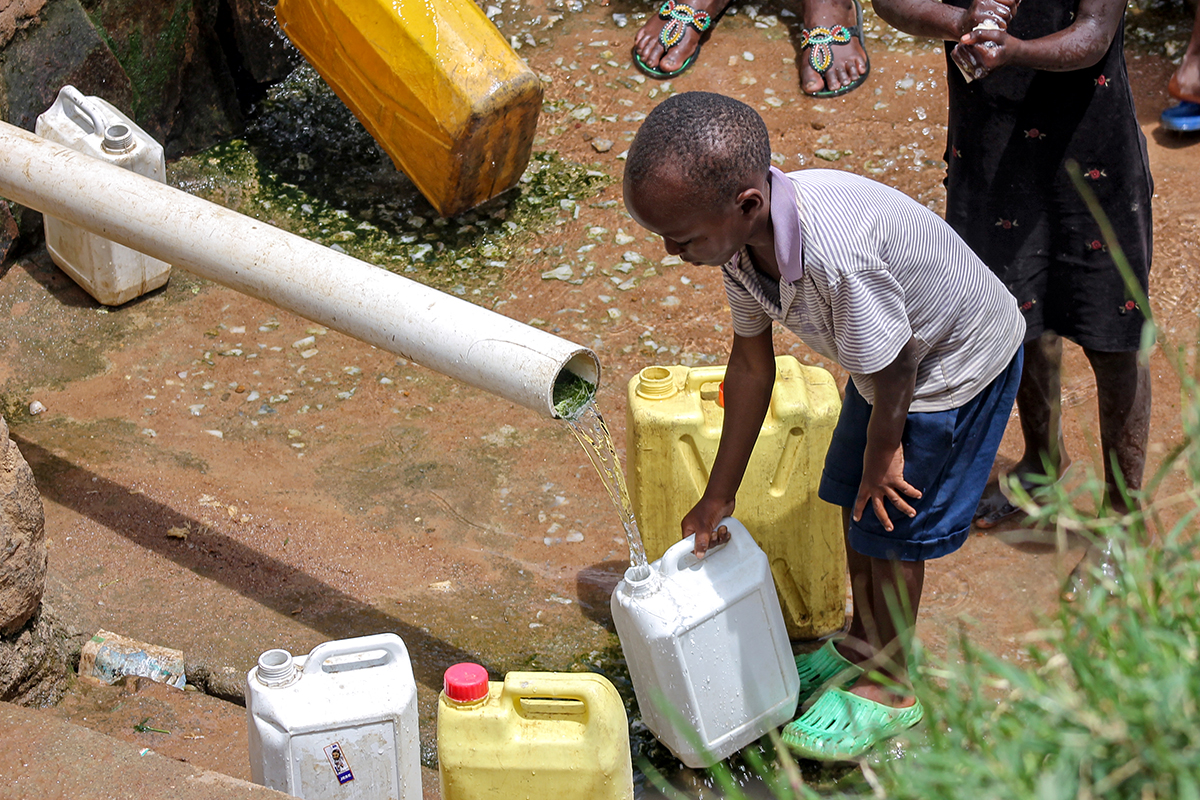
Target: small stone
[(623, 238), (217, 434), (307, 341), (602, 145), (149, 432), (573, 536), (309, 353), (774, 102), (748, 56), (563, 272), (36, 408), (826, 154), (671, 261)]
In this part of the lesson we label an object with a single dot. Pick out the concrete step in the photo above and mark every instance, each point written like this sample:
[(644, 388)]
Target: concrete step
[(47, 757)]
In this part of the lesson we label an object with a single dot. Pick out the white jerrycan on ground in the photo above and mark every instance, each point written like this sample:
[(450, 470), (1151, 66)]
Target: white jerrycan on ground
[(707, 648), (110, 272), (340, 724)]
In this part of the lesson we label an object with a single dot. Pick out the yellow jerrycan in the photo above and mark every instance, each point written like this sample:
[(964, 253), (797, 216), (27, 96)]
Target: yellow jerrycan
[(673, 426), (433, 81), (534, 736)]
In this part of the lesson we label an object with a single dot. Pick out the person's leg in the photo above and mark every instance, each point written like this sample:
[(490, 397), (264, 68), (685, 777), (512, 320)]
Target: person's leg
[(1123, 394), (1185, 83), (1039, 403), (855, 647), (895, 599), (849, 61), (648, 47)]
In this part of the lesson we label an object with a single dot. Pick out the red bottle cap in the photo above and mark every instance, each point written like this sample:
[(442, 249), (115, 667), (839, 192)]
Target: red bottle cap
[(466, 683)]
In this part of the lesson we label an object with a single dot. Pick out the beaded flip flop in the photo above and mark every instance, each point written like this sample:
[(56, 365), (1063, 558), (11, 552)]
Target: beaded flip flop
[(821, 40), (824, 668), (841, 726), (680, 17)]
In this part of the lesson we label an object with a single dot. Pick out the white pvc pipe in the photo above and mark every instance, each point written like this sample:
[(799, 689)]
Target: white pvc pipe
[(436, 330)]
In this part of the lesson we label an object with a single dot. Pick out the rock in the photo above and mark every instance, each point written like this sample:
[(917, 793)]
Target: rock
[(22, 538), (62, 48), (9, 232), (33, 663), (225, 683), (185, 94), (15, 15), (266, 53)]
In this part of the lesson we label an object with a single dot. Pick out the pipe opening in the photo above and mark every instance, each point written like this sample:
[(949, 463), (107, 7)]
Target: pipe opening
[(575, 385)]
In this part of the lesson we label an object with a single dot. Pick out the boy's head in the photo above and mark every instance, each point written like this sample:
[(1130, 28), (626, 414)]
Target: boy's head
[(696, 174)]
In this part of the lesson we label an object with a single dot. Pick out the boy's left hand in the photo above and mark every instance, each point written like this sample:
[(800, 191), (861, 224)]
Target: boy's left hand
[(889, 485)]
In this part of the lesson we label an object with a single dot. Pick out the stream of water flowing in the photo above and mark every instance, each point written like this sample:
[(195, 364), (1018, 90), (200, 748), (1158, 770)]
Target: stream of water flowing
[(592, 433)]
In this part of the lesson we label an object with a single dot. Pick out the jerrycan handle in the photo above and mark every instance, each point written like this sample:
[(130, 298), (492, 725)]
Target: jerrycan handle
[(391, 645), (679, 555), (70, 94), (698, 376), (534, 692)]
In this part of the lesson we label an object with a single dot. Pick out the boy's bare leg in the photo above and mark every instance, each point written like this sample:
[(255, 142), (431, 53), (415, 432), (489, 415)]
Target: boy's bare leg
[(895, 599), (1123, 394), (849, 60), (1039, 404), (647, 45), (855, 647)]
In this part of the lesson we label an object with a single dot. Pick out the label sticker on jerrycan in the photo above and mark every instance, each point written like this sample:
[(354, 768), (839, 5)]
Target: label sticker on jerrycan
[(337, 759)]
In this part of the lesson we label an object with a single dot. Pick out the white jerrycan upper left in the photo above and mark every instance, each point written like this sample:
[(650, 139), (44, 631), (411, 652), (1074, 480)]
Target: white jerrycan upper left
[(110, 272), (340, 724), (707, 648)]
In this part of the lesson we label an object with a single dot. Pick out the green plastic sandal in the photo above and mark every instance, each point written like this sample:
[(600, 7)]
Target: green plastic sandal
[(841, 726), (823, 668)]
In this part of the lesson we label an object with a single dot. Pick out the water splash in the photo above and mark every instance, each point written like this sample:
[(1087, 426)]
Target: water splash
[(592, 433)]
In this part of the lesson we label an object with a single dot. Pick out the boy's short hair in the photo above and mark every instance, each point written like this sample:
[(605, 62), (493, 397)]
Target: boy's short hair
[(717, 144)]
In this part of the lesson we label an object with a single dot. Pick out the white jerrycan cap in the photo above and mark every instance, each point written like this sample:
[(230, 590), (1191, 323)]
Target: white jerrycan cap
[(276, 668), (116, 138)]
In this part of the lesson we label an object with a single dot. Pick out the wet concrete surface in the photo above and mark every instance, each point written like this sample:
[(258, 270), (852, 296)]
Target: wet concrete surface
[(210, 488)]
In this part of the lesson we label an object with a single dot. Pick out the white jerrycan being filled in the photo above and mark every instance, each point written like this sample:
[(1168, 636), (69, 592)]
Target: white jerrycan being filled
[(707, 648), (340, 724), (110, 272)]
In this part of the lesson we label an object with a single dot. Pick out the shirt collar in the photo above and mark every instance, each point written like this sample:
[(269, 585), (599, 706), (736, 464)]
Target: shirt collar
[(785, 221)]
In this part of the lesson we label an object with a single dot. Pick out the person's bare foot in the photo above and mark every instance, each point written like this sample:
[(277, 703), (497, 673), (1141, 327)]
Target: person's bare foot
[(648, 47), (892, 695), (995, 506), (849, 61), (1185, 83)]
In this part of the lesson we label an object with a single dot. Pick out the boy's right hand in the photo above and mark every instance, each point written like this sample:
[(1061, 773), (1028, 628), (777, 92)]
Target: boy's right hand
[(703, 521)]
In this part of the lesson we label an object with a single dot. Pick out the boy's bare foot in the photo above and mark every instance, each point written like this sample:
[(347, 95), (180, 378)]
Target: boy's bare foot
[(847, 62), (884, 695), (647, 44)]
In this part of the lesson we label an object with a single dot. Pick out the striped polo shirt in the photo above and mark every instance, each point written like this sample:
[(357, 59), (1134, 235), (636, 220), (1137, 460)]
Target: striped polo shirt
[(865, 268)]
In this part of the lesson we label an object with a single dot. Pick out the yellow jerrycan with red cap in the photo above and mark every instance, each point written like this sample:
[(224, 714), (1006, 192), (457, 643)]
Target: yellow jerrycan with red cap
[(433, 81), (532, 736), (673, 426)]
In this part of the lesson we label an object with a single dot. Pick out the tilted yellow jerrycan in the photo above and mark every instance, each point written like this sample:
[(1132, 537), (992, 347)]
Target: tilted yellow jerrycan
[(673, 426), (433, 81), (536, 736)]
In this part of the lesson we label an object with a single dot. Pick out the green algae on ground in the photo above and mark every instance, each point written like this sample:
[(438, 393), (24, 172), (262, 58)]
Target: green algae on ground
[(467, 254), (308, 166)]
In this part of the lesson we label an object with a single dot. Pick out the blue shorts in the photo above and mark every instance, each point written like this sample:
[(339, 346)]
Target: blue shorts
[(948, 455)]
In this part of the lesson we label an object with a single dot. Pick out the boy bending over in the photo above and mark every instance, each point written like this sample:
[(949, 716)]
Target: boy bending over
[(931, 338)]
